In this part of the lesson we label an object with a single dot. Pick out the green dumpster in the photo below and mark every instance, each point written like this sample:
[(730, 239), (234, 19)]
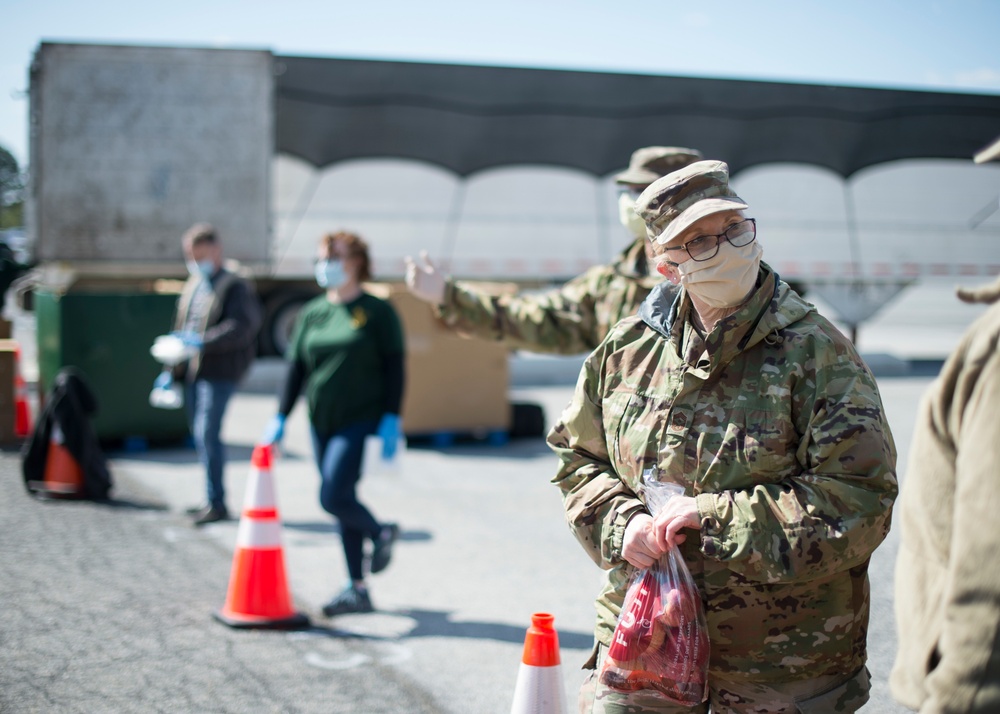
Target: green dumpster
[(107, 335)]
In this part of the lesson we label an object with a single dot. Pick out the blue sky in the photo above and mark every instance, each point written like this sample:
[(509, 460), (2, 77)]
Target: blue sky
[(915, 44)]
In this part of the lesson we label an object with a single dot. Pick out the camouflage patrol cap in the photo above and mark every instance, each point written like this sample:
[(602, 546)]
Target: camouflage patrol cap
[(651, 162), (672, 203)]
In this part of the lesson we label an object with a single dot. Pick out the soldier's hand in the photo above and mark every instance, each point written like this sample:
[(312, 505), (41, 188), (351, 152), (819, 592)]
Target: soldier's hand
[(680, 512), (424, 280), (639, 545)]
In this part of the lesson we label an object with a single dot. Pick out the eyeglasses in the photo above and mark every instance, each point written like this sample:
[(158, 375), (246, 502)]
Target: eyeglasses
[(705, 248)]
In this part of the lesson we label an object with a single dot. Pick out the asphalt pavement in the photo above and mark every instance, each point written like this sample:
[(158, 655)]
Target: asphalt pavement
[(105, 609)]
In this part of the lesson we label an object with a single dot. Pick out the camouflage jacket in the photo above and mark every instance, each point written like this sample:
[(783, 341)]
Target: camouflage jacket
[(569, 320), (776, 427)]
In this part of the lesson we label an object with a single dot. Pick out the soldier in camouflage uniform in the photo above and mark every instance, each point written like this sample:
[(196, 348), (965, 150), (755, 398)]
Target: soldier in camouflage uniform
[(575, 317), (739, 391)]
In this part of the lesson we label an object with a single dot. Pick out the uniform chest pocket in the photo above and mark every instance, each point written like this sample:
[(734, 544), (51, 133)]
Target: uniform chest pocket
[(762, 442), (630, 421)]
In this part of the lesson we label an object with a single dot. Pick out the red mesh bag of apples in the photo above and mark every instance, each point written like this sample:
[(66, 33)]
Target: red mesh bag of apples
[(661, 638)]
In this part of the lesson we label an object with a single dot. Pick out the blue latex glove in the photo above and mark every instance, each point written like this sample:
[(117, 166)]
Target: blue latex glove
[(388, 430), (189, 338), (275, 430), (164, 381)]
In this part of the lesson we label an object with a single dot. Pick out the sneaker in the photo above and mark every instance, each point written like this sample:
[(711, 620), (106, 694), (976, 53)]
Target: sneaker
[(193, 510), (351, 599), (382, 551), (210, 514)]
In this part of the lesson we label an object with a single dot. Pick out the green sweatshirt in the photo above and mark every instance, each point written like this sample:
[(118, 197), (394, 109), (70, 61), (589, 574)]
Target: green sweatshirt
[(343, 350)]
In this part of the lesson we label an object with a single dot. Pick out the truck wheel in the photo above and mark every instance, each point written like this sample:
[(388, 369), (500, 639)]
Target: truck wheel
[(280, 312)]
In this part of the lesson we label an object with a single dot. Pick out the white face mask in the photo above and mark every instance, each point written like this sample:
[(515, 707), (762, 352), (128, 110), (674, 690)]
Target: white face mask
[(629, 218), (726, 279), (330, 274)]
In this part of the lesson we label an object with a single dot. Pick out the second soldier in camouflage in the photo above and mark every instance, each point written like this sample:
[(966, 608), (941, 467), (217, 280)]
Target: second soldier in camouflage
[(575, 317)]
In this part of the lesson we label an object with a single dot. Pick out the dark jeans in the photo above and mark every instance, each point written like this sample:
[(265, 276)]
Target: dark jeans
[(206, 402), (339, 460)]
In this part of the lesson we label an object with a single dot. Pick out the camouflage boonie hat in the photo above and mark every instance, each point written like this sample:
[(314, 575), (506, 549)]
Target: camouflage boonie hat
[(651, 162), (672, 203)]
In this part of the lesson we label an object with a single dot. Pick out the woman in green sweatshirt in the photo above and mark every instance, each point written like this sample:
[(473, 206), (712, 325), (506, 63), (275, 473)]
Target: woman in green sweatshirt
[(347, 354)]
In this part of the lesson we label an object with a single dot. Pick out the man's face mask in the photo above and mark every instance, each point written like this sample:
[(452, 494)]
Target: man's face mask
[(330, 274), (201, 268), (726, 279), (628, 217)]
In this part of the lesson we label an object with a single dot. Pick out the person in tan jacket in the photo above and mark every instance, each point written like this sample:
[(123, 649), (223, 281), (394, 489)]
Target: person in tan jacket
[(947, 580)]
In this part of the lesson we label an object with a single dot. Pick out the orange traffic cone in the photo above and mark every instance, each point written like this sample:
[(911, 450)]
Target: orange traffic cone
[(22, 410), (258, 587), (539, 687), (63, 476)]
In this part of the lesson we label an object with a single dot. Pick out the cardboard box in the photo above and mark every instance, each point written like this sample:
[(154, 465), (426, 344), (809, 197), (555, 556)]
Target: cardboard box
[(8, 367), (453, 383)]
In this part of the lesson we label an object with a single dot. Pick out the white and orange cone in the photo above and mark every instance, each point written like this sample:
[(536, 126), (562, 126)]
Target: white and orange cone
[(22, 409), (63, 475), (539, 687), (258, 586)]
